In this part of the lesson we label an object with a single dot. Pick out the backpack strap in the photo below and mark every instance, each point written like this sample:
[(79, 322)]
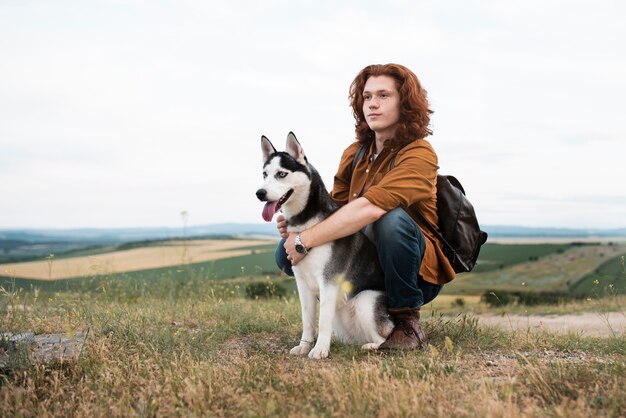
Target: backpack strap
[(359, 154), (432, 229)]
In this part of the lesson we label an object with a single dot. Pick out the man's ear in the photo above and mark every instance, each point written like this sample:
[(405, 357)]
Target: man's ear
[(267, 148), (294, 149)]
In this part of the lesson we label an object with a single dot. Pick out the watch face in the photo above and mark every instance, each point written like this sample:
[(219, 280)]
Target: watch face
[(300, 248)]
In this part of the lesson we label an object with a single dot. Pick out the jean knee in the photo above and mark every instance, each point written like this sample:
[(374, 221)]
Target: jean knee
[(280, 255), (394, 224)]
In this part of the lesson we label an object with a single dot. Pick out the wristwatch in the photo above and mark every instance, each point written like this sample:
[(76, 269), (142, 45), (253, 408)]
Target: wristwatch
[(300, 246)]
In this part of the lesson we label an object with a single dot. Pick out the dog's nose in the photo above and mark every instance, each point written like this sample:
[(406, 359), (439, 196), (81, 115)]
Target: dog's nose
[(261, 194)]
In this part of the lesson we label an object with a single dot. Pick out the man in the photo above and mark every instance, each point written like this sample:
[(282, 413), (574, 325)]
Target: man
[(393, 180)]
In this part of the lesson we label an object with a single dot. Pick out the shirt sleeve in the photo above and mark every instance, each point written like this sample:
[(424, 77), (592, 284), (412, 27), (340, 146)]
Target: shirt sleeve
[(412, 179), (341, 183)]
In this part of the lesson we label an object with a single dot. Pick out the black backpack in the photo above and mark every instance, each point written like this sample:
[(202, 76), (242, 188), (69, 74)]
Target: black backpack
[(458, 232)]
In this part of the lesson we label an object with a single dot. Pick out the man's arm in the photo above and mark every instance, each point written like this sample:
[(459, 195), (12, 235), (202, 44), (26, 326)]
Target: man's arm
[(346, 221)]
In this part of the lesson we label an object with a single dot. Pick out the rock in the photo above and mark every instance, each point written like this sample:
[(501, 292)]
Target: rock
[(44, 348), (12, 347), (14, 339), (57, 347)]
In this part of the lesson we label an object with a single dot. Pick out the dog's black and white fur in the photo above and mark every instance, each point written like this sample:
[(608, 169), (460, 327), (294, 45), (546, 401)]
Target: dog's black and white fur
[(345, 274)]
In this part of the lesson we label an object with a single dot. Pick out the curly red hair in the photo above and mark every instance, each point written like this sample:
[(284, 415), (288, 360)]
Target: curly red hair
[(414, 111)]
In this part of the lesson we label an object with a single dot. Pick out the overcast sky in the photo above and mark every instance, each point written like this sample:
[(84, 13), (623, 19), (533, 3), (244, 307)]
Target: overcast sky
[(125, 113)]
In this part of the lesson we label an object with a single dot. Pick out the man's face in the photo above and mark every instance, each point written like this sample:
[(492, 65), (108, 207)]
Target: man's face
[(381, 105)]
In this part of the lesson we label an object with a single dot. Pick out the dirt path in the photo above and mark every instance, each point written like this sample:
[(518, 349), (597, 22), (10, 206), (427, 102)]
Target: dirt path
[(592, 324)]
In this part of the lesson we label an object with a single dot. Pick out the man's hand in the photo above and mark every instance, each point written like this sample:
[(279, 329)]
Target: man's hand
[(281, 224), (347, 220), (290, 247)]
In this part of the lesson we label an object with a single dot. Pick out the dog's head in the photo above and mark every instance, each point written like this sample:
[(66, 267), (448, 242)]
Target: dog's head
[(287, 179)]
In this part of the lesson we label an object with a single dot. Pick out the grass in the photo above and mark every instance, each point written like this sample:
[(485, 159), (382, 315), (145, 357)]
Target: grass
[(496, 262), (501, 256), (559, 271), (12, 251), (492, 256), (447, 304), (147, 258), (256, 264), (503, 267), (609, 277), (204, 351)]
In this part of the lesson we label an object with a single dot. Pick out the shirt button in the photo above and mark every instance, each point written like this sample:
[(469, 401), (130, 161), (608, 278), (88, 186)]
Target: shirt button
[(353, 194)]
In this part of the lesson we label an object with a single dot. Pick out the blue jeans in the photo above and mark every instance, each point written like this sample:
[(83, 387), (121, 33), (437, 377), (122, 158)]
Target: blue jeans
[(400, 245)]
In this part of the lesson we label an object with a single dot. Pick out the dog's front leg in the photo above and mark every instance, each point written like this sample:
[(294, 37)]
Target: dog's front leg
[(308, 305), (328, 306)]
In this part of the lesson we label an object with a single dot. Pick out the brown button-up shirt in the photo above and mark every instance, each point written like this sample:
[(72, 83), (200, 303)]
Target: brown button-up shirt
[(410, 185)]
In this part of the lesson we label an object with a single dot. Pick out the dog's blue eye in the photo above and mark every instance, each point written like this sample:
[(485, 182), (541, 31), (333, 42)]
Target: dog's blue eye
[(282, 174)]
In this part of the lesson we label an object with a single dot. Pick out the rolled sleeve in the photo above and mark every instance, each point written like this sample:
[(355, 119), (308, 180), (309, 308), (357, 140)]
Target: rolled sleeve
[(412, 179)]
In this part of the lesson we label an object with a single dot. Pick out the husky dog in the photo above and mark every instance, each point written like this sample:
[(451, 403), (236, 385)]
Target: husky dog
[(344, 274)]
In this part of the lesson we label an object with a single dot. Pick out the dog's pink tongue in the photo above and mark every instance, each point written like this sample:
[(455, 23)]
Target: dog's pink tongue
[(269, 210)]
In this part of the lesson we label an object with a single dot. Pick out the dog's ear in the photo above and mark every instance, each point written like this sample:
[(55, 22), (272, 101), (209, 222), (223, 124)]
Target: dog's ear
[(294, 149), (267, 148)]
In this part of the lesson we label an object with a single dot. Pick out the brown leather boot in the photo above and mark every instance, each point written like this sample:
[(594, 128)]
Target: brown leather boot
[(408, 333)]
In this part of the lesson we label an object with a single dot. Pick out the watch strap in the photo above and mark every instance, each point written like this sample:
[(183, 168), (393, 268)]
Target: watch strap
[(300, 247)]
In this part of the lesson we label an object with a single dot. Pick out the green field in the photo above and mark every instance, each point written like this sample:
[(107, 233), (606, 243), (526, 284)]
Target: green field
[(556, 268), (15, 251), (609, 278), (259, 263), (500, 256), (574, 268)]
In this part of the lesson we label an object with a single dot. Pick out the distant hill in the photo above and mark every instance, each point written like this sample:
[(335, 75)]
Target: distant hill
[(28, 244), (117, 235), (506, 231), (25, 244), (107, 236)]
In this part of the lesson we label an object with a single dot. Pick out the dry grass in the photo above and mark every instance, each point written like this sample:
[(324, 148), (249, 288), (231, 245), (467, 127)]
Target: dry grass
[(205, 354), (167, 254), (451, 302)]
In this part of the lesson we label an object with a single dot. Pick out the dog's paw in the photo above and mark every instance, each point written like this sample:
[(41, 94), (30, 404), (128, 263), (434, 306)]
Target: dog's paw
[(300, 350), (319, 353), (370, 346)]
